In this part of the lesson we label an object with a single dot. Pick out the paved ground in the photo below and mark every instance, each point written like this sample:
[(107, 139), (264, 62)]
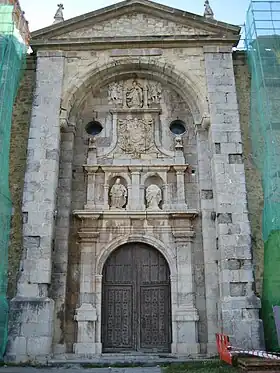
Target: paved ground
[(77, 369)]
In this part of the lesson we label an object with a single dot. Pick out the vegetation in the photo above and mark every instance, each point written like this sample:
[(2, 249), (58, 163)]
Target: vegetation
[(200, 367)]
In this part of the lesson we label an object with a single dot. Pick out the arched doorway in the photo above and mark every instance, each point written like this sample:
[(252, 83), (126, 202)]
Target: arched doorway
[(136, 301)]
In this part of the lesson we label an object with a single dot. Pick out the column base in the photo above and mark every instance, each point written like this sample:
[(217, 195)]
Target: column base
[(212, 349), (87, 349), (30, 329), (241, 322), (186, 349), (59, 349)]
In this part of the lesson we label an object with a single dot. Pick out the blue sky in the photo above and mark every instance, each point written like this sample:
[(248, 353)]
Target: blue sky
[(40, 13)]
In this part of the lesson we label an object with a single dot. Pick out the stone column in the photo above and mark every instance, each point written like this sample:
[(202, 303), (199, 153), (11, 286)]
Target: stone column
[(135, 201), (186, 314), (60, 255), (86, 314), (98, 294), (91, 170), (166, 197), (106, 196), (174, 306), (145, 94), (181, 199), (209, 237), (32, 310), (238, 305)]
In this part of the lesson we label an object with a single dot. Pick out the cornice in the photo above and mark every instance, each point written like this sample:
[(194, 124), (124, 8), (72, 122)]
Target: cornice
[(163, 42)]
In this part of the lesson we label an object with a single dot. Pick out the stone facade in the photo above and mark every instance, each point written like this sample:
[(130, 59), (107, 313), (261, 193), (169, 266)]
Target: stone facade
[(104, 169), (253, 177), (18, 153)]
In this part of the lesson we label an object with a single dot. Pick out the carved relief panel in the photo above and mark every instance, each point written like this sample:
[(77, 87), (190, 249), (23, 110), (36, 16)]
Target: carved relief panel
[(135, 94), (134, 118), (135, 135)]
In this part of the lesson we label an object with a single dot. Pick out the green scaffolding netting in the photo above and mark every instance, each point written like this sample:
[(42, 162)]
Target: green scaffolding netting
[(262, 43), (12, 56)]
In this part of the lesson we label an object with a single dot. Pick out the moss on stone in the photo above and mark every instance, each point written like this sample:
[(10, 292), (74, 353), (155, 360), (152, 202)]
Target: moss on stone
[(253, 177), (18, 150)]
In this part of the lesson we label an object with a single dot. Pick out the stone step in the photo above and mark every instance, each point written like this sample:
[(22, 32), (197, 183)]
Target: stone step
[(124, 359)]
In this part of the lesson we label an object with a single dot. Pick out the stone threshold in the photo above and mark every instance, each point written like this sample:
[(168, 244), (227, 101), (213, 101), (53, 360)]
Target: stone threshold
[(124, 359)]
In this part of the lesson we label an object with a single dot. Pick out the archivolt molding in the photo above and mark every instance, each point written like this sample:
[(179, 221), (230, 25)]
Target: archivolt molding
[(125, 68), (161, 175), (149, 240)]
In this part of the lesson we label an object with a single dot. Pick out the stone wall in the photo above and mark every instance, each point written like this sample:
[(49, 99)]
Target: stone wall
[(253, 177), (19, 136), (72, 190), (18, 152)]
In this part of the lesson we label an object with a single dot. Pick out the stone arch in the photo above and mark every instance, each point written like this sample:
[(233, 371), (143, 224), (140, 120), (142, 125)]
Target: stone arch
[(123, 175), (151, 174), (163, 72), (147, 239)]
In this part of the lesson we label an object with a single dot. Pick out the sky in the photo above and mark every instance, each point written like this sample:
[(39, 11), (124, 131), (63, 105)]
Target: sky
[(40, 14)]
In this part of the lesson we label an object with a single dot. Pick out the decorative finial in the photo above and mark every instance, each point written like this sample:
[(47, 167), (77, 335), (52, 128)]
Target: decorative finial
[(208, 12), (59, 14)]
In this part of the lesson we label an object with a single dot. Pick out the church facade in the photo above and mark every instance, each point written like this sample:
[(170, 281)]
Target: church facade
[(136, 235)]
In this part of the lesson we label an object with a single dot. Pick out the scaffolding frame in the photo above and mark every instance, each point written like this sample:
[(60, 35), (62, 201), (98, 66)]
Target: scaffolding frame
[(14, 39), (262, 42)]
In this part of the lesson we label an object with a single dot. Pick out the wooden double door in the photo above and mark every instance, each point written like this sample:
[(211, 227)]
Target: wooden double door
[(136, 304)]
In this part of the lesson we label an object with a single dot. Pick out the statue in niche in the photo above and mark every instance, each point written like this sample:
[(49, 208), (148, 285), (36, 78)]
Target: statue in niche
[(154, 93), (135, 135), (153, 197), (115, 93), (118, 195), (134, 96)]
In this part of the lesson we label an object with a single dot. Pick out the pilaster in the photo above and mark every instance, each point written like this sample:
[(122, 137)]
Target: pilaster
[(86, 313), (238, 305), (185, 315), (39, 210), (91, 176), (208, 235), (180, 176), (136, 202), (62, 228)]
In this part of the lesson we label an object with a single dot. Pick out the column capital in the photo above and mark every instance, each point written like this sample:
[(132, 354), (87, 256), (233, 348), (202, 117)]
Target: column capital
[(90, 169), (88, 236), (98, 278), (184, 236), (180, 168), (135, 169)]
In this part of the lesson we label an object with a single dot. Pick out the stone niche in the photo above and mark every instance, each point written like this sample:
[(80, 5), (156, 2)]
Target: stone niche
[(134, 182)]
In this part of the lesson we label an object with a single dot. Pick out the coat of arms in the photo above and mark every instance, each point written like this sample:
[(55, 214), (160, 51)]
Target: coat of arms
[(135, 135)]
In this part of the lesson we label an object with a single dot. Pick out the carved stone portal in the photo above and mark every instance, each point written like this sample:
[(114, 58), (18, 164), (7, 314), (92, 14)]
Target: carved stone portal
[(118, 195), (135, 135), (153, 197)]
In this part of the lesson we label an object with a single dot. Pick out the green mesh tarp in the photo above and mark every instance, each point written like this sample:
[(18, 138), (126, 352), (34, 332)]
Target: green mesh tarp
[(263, 46), (12, 56)]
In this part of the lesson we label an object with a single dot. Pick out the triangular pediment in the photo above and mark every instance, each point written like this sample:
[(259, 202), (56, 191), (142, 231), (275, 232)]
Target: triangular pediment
[(134, 19)]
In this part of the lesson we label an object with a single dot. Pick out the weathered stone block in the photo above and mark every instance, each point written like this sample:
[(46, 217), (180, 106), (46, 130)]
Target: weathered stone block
[(39, 346), (235, 159)]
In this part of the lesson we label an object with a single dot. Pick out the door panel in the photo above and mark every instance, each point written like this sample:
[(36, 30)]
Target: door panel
[(118, 315), (136, 300), (154, 318)]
